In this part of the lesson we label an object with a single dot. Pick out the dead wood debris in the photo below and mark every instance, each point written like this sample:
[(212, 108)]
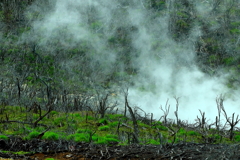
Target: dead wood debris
[(92, 151)]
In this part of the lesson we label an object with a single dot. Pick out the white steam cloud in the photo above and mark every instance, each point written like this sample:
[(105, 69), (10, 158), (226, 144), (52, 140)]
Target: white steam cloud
[(166, 69)]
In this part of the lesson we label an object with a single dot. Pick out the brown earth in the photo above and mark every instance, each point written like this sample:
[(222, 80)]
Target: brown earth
[(64, 150)]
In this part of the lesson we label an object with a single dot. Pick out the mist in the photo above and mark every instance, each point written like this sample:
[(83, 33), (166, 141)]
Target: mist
[(163, 67)]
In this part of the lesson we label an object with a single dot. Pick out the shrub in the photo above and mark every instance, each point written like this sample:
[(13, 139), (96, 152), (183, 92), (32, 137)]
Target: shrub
[(50, 136), (19, 131), (101, 140), (84, 131), (59, 121), (107, 139), (103, 128), (192, 133), (53, 113), (112, 136), (113, 124), (33, 134), (162, 128), (143, 125), (114, 116), (216, 136), (77, 115), (152, 141), (3, 137), (79, 137), (90, 118), (237, 138), (103, 121), (40, 129), (95, 137)]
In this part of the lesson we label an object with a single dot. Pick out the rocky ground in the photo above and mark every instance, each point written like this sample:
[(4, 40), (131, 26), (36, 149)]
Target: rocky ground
[(67, 150)]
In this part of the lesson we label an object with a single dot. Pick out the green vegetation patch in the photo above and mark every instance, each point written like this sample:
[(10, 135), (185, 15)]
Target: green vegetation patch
[(103, 121), (152, 141), (19, 152), (79, 137), (3, 137), (237, 138), (113, 124), (192, 133), (107, 139), (103, 128), (84, 131), (51, 136), (33, 134)]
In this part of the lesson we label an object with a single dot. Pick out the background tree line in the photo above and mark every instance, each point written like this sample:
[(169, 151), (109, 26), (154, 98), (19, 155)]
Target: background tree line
[(28, 74)]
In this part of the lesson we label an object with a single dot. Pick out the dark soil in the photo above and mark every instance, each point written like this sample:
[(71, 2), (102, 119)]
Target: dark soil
[(68, 150)]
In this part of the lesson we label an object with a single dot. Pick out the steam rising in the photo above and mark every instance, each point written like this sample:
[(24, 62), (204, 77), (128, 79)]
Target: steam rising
[(165, 68)]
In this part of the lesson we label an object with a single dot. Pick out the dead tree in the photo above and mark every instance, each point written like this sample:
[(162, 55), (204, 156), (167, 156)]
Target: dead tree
[(36, 123), (103, 105), (135, 125), (49, 106), (176, 112), (202, 120), (173, 132), (219, 102), (232, 122), (165, 112)]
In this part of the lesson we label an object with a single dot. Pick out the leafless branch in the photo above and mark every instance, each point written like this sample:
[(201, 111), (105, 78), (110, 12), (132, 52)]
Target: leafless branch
[(165, 111), (135, 125)]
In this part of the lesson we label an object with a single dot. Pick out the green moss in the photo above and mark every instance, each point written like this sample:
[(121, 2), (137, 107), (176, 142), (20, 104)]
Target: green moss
[(3, 137), (182, 131), (109, 140), (142, 124), (103, 121), (53, 112), (237, 138), (59, 121), (50, 136), (152, 141), (79, 137), (40, 129), (78, 116), (114, 116), (101, 140), (90, 118), (33, 134), (112, 136), (84, 131), (192, 133), (162, 128), (113, 124), (103, 128), (21, 152)]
